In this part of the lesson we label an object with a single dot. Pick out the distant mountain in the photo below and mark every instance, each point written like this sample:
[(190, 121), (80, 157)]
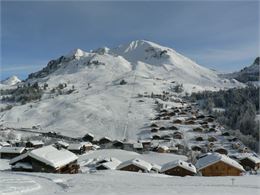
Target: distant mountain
[(247, 74), (12, 80), (97, 91)]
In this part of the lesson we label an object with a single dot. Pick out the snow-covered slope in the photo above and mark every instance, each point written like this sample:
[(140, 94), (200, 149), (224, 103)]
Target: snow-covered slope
[(99, 102), (12, 80)]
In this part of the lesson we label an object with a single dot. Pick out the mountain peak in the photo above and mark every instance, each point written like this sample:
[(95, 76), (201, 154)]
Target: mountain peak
[(76, 53), (12, 80), (257, 61)]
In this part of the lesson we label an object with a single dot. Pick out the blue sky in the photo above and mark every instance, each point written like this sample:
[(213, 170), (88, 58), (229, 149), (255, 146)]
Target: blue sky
[(219, 35)]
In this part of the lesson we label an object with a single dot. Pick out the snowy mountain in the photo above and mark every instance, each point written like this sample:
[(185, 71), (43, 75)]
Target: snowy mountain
[(247, 74), (97, 91), (12, 80)]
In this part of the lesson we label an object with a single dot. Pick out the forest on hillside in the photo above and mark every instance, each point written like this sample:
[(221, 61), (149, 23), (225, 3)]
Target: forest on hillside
[(237, 109)]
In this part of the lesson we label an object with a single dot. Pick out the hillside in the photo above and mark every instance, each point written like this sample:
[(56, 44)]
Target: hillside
[(247, 74), (97, 91)]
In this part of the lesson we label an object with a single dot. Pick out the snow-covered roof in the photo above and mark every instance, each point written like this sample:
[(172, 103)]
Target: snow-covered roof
[(36, 142), (138, 145), (87, 144), (213, 158), (62, 143), (13, 150), (179, 163), (52, 156), (163, 147), (137, 162), (156, 167), (252, 158), (18, 158), (24, 165), (75, 146), (112, 164), (4, 144)]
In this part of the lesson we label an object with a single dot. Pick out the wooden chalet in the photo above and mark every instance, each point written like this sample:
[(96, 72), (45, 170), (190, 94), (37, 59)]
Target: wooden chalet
[(198, 129), (178, 168), (154, 130), (11, 152), (153, 125), (199, 139), (216, 164), (89, 137), (105, 140), (110, 164), (118, 144), (250, 162), (46, 159), (34, 144), (62, 144), (135, 165), (173, 128), (221, 150), (196, 148), (178, 135), (156, 137), (163, 149), (212, 139), (226, 134), (177, 121), (77, 148)]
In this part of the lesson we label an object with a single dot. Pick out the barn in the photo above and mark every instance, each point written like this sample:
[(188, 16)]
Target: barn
[(135, 165), (216, 164), (178, 168), (46, 159), (11, 152)]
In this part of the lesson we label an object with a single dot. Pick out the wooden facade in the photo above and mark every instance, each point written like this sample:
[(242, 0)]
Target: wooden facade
[(249, 164), (178, 171), (220, 169), (39, 166), (133, 168)]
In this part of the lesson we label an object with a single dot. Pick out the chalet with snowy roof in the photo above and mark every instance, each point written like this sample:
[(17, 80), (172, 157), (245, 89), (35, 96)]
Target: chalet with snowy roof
[(173, 128), (135, 165), (34, 144), (88, 137), (250, 162), (190, 122), (138, 147), (156, 137), (216, 164), (154, 130), (226, 134), (212, 139), (77, 148), (153, 125), (196, 148), (178, 168), (11, 152), (5, 144), (118, 144), (163, 149), (146, 143), (178, 135), (221, 150), (62, 144), (105, 142), (110, 164), (46, 159), (199, 139), (87, 146), (198, 129), (177, 121)]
